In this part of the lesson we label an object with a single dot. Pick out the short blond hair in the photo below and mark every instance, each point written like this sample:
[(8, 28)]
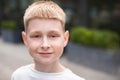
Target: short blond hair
[(44, 9)]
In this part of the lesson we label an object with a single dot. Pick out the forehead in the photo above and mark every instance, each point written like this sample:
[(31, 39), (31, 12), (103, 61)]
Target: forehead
[(44, 25)]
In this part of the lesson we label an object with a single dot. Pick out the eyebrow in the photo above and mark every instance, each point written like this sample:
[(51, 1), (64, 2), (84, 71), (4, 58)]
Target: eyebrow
[(35, 32), (54, 32), (51, 31)]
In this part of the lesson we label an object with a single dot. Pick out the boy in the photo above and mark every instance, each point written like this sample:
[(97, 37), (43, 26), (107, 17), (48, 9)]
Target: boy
[(45, 38)]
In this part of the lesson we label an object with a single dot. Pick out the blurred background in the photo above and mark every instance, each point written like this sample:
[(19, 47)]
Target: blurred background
[(93, 51)]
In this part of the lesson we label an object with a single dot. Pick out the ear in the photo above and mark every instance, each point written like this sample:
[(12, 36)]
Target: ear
[(66, 38), (24, 37)]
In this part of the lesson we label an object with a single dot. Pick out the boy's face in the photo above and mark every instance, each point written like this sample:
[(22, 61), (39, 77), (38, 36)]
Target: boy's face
[(45, 40)]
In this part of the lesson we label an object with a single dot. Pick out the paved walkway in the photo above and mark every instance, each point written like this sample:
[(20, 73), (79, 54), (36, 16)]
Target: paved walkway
[(13, 56)]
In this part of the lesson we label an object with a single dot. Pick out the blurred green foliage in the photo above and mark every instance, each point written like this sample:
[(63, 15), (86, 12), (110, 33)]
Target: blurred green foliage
[(9, 24), (96, 38)]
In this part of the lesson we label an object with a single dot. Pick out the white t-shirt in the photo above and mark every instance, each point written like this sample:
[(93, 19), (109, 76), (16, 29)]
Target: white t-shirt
[(28, 73)]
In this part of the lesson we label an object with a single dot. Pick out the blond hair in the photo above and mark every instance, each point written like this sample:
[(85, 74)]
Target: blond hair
[(46, 10)]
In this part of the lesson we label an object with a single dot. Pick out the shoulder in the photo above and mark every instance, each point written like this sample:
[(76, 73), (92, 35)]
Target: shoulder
[(22, 71), (73, 76)]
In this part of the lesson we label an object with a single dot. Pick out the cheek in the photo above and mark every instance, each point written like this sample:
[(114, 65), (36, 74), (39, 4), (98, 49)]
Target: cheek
[(59, 51), (58, 43), (59, 46), (32, 46)]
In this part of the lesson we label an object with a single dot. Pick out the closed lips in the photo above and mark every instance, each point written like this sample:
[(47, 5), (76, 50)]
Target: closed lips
[(45, 53)]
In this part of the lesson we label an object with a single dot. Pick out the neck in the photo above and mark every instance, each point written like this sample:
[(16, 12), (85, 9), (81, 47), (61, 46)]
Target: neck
[(49, 68)]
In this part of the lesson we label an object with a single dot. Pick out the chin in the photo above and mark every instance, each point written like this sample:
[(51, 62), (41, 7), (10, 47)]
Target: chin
[(44, 62)]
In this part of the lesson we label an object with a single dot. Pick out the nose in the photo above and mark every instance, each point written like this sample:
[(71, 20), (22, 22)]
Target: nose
[(45, 44)]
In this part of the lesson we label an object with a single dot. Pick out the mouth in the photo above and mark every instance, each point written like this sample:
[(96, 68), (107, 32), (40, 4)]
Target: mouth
[(45, 54)]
